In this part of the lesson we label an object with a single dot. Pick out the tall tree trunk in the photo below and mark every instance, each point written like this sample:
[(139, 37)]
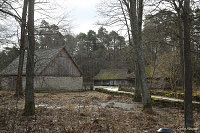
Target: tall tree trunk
[(181, 44), (188, 111), (136, 29), (126, 21), (19, 89), (178, 9), (142, 71), (137, 96), (29, 90)]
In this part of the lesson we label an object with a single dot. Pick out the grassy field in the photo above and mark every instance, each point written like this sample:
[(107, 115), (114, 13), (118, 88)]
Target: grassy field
[(86, 112)]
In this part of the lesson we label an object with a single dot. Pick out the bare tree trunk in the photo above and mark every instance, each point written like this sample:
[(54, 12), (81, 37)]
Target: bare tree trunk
[(181, 36), (29, 90), (146, 93), (136, 29), (126, 21), (19, 89), (181, 52), (137, 96), (188, 111)]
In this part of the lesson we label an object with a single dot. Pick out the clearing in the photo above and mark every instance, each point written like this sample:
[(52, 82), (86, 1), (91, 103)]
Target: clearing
[(86, 112)]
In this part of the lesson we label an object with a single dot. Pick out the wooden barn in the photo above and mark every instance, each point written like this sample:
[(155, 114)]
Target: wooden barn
[(54, 69), (114, 77)]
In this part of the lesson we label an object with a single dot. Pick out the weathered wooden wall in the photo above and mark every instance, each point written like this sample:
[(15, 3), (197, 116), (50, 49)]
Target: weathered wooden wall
[(62, 66), (60, 73), (46, 83), (8, 82)]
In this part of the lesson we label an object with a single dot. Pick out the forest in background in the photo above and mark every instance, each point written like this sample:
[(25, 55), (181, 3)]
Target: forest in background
[(93, 51), (163, 45)]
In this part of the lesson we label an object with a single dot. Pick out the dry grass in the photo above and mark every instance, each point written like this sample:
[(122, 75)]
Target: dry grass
[(81, 112)]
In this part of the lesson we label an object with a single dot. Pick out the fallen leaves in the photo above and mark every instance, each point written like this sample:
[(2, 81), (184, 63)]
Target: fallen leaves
[(82, 112)]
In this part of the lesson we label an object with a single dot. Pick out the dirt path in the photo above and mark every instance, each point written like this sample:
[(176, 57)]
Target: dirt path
[(172, 99), (115, 89)]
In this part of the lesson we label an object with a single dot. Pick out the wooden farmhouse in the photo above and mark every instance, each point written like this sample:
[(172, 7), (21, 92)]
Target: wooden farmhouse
[(114, 77), (54, 69)]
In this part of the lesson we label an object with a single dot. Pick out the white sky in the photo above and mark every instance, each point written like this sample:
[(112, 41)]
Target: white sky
[(82, 13)]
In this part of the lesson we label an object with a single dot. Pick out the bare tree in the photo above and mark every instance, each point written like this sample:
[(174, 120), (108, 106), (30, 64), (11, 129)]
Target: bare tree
[(29, 90), (182, 9), (19, 89), (7, 8), (188, 111), (117, 14), (136, 30)]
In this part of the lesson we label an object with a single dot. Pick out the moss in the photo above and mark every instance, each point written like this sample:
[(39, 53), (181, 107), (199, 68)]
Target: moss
[(168, 95), (107, 75), (164, 103), (154, 98), (29, 109), (155, 101), (189, 131), (175, 95), (110, 76)]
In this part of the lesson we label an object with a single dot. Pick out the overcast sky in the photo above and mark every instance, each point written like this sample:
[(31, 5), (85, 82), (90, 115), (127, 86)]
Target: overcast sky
[(82, 13)]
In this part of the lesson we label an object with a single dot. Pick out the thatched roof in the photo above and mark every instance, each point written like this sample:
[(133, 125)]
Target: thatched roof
[(113, 74), (42, 58)]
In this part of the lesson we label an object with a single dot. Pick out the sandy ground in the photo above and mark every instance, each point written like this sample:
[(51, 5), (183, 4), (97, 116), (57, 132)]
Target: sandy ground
[(86, 112)]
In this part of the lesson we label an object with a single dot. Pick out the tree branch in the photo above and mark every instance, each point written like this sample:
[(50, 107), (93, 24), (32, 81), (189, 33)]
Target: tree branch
[(11, 14)]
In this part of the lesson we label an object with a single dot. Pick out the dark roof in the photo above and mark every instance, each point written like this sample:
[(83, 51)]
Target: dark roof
[(42, 58), (110, 74)]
